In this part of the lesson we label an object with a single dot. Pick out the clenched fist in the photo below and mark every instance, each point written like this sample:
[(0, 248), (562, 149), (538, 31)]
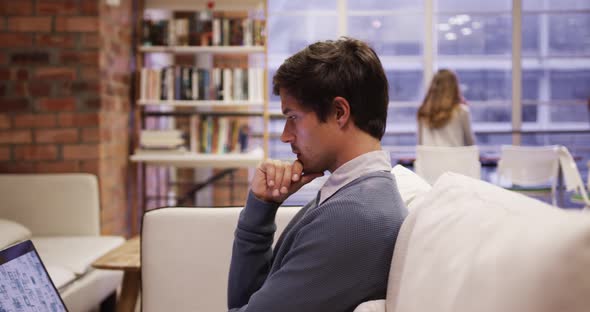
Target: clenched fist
[(275, 180)]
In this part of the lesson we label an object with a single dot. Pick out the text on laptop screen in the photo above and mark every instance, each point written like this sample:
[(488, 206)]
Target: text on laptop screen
[(24, 283)]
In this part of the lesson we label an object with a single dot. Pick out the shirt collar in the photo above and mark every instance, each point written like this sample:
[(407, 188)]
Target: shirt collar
[(353, 169)]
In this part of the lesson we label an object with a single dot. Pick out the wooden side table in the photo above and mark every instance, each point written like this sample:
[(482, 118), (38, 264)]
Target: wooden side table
[(127, 259)]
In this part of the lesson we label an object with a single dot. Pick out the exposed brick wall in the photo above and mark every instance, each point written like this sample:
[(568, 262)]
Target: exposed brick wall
[(64, 94), (114, 26)]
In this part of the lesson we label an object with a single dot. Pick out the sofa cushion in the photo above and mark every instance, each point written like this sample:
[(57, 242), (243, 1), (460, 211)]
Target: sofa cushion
[(88, 291), (60, 276), (472, 246), (52, 204), (409, 184), (12, 232), (75, 253)]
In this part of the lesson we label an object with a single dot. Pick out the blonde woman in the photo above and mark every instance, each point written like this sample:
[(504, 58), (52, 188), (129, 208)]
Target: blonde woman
[(443, 118)]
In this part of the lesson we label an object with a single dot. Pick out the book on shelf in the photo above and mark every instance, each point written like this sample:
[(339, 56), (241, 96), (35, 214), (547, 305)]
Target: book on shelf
[(161, 139), (203, 28), (154, 33), (207, 134), (163, 144), (161, 151), (193, 83), (218, 135)]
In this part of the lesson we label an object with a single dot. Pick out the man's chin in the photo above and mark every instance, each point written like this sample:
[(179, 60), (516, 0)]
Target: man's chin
[(307, 165), (302, 161)]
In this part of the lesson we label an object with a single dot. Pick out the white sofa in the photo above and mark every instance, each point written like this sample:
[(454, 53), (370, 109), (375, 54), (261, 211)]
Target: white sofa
[(60, 213), (465, 246)]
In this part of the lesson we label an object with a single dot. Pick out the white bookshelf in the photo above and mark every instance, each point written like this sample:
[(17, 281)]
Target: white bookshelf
[(165, 168), (187, 5), (202, 49), (199, 160), (203, 104)]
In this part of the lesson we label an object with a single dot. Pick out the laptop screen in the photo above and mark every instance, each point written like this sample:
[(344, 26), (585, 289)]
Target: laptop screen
[(24, 283)]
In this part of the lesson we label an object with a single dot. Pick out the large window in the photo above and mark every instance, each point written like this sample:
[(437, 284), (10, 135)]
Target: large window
[(414, 38), (394, 29), (292, 25), (474, 38), (556, 73)]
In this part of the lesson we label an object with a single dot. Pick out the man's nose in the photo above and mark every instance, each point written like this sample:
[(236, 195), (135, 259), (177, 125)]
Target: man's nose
[(286, 136)]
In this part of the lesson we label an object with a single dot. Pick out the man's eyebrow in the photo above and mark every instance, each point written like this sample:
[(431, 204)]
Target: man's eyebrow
[(286, 111)]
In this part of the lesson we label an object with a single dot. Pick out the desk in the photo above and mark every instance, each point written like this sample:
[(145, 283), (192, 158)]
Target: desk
[(485, 160), (488, 160), (124, 258)]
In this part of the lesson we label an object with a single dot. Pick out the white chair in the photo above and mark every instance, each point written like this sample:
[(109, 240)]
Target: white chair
[(60, 213), (571, 176), (190, 248), (433, 161), (529, 169)]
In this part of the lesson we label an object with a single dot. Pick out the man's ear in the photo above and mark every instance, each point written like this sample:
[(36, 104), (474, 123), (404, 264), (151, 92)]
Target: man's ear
[(341, 110)]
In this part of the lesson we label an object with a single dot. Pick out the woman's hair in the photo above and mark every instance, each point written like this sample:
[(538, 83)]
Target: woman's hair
[(441, 100)]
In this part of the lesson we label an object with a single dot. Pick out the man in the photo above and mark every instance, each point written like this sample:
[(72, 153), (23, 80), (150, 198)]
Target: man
[(336, 252)]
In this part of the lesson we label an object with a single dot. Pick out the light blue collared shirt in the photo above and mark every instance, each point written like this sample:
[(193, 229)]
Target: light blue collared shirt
[(353, 169)]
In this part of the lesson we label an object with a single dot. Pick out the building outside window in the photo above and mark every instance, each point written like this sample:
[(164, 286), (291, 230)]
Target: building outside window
[(475, 39)]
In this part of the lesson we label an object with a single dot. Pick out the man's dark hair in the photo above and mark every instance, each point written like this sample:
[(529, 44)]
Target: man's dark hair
[(348, 68)]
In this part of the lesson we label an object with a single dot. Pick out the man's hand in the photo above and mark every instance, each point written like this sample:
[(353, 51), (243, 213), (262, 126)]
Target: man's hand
[(276, 180)]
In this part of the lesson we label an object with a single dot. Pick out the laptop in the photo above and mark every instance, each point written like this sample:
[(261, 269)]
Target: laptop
[(25, 284)]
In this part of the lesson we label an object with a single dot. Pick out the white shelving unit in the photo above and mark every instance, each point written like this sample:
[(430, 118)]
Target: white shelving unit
[(217, 107), (198, 160), (204, 104), (160, 167), (202, 49)]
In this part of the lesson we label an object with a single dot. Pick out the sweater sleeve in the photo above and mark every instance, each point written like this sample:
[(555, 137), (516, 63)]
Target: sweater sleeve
[(324, 265), (252, 250)]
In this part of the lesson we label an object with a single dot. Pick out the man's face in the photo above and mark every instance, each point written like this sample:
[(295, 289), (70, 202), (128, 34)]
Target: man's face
[(311, 140)]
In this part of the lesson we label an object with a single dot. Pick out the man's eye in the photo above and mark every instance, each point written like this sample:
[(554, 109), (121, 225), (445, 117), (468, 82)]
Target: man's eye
[(291, 117)]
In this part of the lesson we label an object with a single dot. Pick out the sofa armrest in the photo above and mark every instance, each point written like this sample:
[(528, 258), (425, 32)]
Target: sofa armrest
[(190, 248), (47, 204)]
